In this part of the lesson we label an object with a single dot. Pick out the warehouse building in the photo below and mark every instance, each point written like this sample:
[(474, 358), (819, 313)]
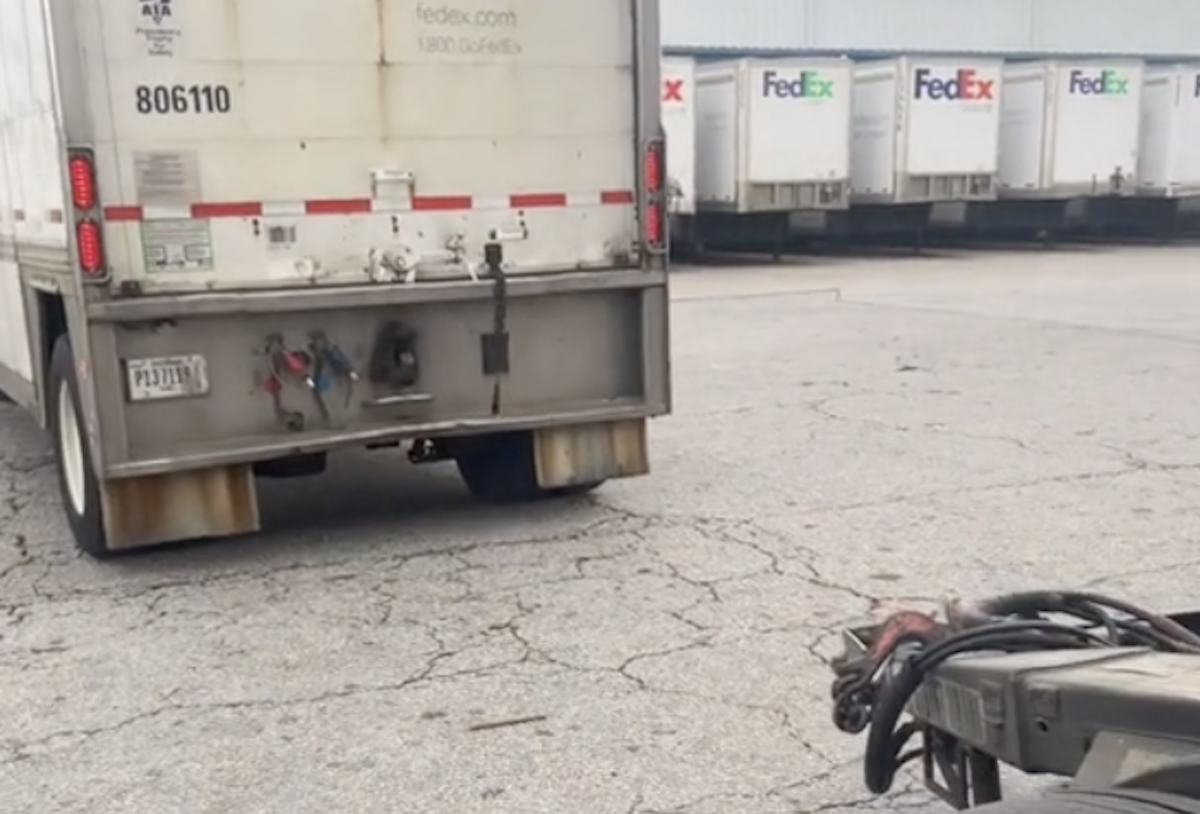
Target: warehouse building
[(1158, 30)]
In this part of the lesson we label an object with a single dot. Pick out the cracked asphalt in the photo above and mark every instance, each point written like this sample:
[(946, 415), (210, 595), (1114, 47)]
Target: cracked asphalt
[(850, 436)]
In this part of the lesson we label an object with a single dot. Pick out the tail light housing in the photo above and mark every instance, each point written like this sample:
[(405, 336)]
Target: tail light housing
[(83, 182), (86, 216), (654, 176), (87, 246)]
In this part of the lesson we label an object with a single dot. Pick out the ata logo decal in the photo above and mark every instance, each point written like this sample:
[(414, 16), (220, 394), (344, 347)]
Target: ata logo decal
[(156, 27), (156, 10)]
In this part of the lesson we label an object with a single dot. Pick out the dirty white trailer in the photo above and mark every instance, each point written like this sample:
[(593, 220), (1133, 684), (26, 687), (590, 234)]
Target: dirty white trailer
[(773, 138), (679, 127), (1168, 155), (1167, 201), (236, 236), (1070, 129), (1068, 142), (925, 131)]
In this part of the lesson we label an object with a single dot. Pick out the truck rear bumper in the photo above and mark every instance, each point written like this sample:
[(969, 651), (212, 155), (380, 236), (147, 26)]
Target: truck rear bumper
[(576, 348), (265, 448)]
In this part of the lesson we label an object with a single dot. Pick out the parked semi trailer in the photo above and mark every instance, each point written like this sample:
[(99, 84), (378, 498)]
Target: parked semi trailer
[(1069, 149), (1168, 161), (772, 140), (679, 126), (236, 236), (925, 134)]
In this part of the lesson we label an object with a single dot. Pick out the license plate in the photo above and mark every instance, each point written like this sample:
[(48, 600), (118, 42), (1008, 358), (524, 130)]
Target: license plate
[(167, 377)]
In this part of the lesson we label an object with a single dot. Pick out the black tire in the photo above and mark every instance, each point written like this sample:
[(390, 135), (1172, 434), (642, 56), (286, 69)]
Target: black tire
[(501, 469), (87, 523)]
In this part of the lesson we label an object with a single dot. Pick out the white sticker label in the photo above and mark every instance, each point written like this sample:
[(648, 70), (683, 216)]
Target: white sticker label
[(156, 27), (177, 245)]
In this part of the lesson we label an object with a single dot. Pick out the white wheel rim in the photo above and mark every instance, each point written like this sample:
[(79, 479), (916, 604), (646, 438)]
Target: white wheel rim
[(70, 446)]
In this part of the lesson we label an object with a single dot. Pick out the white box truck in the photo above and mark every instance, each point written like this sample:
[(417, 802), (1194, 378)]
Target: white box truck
[(925, 130), (679, 127), (1169, 139), (235, 236), (1069, 129)]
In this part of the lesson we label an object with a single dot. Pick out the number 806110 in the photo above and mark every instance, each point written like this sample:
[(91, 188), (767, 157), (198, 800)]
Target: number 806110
[(164, 100)]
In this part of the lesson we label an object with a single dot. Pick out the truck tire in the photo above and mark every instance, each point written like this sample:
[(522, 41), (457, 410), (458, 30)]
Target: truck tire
[(500, 469), (78, 486)]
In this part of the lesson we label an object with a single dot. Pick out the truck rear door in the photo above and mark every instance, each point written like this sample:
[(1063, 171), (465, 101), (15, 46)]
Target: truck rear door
[(276, 143)]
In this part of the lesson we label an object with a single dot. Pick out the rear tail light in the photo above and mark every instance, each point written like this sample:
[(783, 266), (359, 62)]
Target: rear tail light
[(654, 168), (88, 245), (83, 183), (89, 235), (654, 235), (654, 185)]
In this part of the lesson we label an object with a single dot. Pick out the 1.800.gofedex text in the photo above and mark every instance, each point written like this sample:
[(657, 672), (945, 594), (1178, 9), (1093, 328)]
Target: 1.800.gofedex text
[(470, 46)]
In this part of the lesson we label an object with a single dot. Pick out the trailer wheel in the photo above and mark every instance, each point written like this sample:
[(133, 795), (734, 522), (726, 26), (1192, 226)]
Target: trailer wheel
[(78, 486), (500, 469)]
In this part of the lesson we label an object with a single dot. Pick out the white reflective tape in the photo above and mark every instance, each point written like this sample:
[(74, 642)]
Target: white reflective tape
[(167, 213), (491, 203), (583, 199), (283, 209), (389, 205)]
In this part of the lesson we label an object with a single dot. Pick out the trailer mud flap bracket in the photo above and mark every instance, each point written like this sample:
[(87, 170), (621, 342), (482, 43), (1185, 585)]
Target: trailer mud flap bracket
[(577, 454), (494, 345), (174, 506)]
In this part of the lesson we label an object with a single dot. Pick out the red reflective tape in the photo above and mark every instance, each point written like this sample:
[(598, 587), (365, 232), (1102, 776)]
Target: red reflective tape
[(534, 200), (442, 203), (616, 196), (246, 209), (348, 206), (122, 214), (363, 206)]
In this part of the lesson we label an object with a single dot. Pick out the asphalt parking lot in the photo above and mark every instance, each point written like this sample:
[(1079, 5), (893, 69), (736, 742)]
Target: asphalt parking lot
[(850, 436)]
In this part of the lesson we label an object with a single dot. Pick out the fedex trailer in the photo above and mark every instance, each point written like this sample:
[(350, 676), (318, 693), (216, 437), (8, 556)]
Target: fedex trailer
[(237, 236), (1070, 129), (925, 130), (1068, 142), (773, 137), (679, 127), (1168, 159)]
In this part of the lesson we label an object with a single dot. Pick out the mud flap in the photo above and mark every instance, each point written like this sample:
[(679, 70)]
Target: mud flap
[(178, 506), (589, 453)]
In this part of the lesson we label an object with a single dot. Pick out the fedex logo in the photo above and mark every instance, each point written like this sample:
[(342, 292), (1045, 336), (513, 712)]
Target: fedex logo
[(1105, 83), (672, 90), (963, 85), (808, 85)]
